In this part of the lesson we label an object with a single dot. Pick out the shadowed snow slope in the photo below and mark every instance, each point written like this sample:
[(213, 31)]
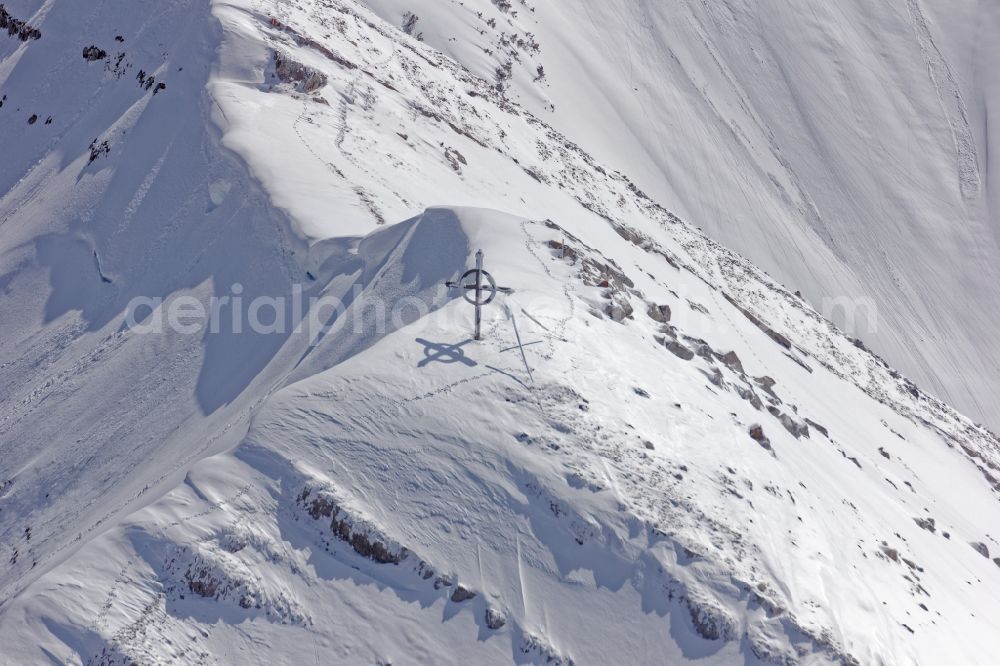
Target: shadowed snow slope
[(657, 453)]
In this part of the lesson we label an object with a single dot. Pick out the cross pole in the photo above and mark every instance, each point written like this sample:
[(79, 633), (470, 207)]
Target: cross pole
[(477, 288)]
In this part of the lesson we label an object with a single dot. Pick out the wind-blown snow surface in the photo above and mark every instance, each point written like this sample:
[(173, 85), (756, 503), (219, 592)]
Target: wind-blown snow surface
[(844, 147), (233, 498)]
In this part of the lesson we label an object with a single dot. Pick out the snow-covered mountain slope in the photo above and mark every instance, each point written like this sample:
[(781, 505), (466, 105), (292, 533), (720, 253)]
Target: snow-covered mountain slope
[(428, 500), (843, 147), (235, 497)]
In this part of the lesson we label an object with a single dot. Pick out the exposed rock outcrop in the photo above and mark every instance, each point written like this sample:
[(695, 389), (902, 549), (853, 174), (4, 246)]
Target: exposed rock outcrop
[(305, 78)]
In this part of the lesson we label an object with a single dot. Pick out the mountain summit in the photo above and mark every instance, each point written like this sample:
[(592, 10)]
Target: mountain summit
[(244, 421)]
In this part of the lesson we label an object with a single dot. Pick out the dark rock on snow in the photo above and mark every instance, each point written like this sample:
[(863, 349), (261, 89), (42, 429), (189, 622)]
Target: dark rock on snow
[(495, 618), (679, 350), (291, 71), (461, 594), (660, 313), (733, 361), (92, 53), (757, 434)]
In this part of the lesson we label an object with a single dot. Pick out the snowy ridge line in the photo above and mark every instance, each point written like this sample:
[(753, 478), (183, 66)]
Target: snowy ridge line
[(595, 188), (821, 340), (871, 375), (14, 588), (223, 567)]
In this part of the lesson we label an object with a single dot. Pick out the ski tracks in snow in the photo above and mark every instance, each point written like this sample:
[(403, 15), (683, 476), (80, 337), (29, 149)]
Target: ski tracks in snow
[(558, 333), (952, 103), (347, 99)]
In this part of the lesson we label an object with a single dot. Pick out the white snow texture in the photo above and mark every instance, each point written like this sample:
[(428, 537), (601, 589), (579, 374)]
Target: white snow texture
[(658, 452)]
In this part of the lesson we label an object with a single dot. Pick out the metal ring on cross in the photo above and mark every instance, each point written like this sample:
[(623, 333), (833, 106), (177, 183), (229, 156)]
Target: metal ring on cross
[(470, 289)]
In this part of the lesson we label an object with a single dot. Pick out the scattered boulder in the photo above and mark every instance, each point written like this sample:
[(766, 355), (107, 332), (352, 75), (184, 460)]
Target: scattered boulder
[(796, 428), (98, 149), (702, 349), (926, 524), (599, 274), (757, 434), (619, 310), (92, 53), (697, 307), (425, 570), (679, 350), (641, 392), (980, 548), (455, 159), (733, 361), (660, 313), (461, 594), (823, 431), (495, 618), (410, 23), (766, 384), (747, 394), (711, 622)]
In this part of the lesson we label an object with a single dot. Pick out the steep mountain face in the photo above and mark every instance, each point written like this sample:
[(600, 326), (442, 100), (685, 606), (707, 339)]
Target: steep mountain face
[(845, 148), (657, 453)]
